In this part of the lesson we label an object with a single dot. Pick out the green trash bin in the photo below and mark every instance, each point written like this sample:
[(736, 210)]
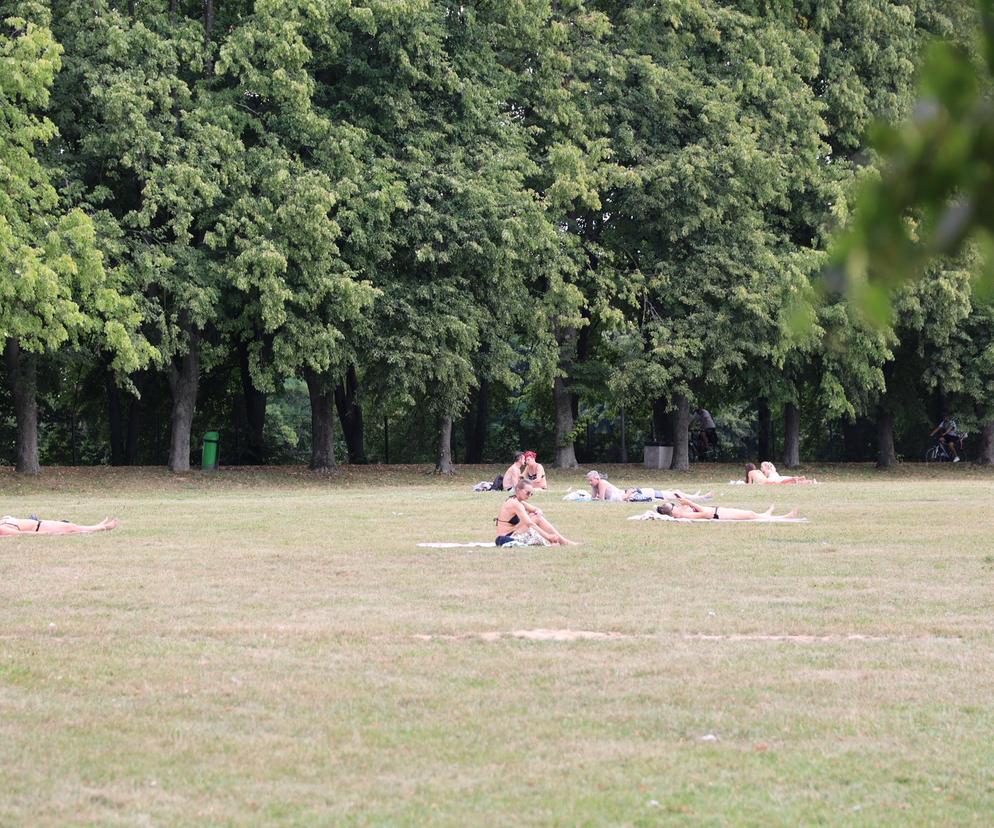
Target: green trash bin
[(209, 458)]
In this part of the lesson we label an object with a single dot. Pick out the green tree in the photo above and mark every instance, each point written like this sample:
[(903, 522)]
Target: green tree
[(149, 150), (54, 288), (721, 131)]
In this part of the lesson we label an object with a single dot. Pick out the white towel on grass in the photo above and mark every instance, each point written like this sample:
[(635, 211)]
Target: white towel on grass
[(481, 544), (652, 514)]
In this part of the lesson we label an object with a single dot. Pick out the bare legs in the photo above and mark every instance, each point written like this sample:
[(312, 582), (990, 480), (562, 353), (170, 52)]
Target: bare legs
[(27, 526), (549, 532)]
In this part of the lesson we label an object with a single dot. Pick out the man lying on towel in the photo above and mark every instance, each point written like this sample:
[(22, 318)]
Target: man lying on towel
[(519, 521), (688, 510)]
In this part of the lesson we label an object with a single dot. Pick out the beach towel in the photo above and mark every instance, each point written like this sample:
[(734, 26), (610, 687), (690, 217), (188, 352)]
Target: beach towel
[(654, 515), (578, 495), (477, 545), (446, 545)]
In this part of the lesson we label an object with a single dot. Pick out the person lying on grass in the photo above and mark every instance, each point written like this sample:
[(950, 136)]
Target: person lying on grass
[(33, 526), (767, 474), (520, 521), (646, 493), (601, 489), (689, 510)]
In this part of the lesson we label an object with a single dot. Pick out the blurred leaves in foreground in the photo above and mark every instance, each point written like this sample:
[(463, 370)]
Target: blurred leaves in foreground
[(935, 193)]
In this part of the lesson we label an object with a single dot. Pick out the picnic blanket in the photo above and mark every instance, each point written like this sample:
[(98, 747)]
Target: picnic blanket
[(654, 515)]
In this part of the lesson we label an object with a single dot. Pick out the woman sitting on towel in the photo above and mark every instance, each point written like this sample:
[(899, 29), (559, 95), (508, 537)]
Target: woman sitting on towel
[(33, 526), (534, 471), (519, 521), (688, 510)]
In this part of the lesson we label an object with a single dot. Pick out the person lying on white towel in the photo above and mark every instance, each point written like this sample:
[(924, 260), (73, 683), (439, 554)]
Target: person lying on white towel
[(688, 510)]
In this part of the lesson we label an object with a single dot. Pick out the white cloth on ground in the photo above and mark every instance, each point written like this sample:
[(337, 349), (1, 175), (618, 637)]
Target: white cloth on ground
[(652, 514), (483, 544), (579, 494)]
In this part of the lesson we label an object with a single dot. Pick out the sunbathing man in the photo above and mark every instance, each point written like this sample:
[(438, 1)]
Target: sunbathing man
[(535, 471), (601, 489), (691, 511), (513, 473), (520, 521), (643, 493), (33, 526)]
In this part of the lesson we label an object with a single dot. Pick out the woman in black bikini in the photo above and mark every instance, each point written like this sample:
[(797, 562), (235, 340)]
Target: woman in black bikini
[(519, 520), (535, 471), (33, 526)]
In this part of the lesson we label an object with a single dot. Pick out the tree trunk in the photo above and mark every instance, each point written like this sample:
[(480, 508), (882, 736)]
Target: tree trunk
[(350, 416), (985, 447), (322, 394), (477, 422), (115, 419), (886, 457), (444, 464), (681, 433), (254, 452), (791, 436), (184, 379), (22, 374), (565, 453), (764, 431)]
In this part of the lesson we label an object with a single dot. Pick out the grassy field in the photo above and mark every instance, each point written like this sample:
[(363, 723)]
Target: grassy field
[(270, 647)]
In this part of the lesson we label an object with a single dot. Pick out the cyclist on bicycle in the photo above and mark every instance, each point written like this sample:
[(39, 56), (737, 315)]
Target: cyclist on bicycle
[(949, 437)]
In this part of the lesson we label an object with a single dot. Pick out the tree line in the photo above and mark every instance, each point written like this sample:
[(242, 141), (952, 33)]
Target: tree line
[(442, 213)]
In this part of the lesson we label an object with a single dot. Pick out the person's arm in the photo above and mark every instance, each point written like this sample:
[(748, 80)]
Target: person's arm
[(596, 489), (684, 502), (932, 432), (522, 511), (532, 510)]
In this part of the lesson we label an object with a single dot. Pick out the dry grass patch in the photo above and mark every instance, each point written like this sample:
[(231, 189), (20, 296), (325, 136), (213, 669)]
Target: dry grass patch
[(272, 648)]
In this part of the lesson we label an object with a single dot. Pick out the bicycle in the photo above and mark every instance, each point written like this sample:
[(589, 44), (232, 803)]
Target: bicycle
[(938, 453), (698, 448)]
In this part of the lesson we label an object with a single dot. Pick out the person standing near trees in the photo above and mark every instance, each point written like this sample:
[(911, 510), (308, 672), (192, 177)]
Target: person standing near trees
[(709, 432)]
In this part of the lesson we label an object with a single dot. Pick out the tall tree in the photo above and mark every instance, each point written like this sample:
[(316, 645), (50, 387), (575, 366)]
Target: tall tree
[(716, 122), (54, 288), (149, 150)]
